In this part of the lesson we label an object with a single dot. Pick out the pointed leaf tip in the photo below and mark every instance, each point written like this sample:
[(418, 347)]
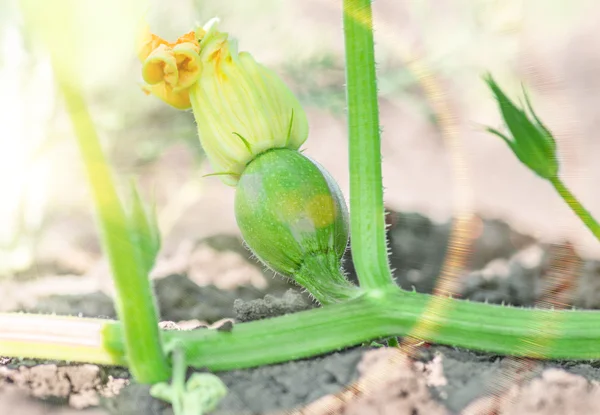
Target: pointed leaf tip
[(143, 226), (532, 142)]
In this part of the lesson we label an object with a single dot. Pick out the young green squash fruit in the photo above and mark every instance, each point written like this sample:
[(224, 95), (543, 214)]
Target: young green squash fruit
[(293, 217)]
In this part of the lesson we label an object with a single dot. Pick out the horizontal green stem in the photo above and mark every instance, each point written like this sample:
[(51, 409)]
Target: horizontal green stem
[(537, 333), (576, 206), (52, 337), (505, 330)]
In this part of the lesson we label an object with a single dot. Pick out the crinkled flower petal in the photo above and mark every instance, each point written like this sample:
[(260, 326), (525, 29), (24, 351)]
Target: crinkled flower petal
[(170, 69), (178, 99), (188, 64), (161, 66), (147, 41)]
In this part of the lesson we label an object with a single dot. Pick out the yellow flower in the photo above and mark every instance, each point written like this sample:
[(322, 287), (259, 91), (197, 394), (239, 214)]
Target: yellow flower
[(169, 69), (242, 109)]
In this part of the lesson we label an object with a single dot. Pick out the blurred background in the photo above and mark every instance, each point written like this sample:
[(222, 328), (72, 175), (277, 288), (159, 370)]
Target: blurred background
[(47, 230)]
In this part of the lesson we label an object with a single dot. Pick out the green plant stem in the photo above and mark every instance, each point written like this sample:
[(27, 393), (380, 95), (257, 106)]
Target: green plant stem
[(576, 206), (56, 30), (367, 216), (57, 338), (178, 380), (538, 333), (135, 301)]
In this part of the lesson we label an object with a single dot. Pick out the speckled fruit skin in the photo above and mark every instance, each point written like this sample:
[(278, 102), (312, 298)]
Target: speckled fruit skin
[(288, 209)]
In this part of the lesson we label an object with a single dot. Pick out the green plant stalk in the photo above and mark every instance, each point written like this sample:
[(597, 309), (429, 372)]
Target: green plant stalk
[(576, 206), (367, 216), (135, 301), (537, 333), (375, 315), (57, 338), (178, 381)]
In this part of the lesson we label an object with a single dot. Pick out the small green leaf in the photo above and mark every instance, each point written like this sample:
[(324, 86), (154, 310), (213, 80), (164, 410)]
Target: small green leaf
[(289, 133), (531, 141), (199, 395), (204, 391), (222, 173), (534, 115), (246, 142), (143, 225)]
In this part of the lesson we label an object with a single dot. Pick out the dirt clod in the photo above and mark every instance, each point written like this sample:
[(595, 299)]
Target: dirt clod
[(389, 384), (556, 392), (79, 385), (179, 298), (271, 306)]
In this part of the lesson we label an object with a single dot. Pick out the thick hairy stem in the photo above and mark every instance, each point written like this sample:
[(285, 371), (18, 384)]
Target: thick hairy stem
[(367, 222)]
